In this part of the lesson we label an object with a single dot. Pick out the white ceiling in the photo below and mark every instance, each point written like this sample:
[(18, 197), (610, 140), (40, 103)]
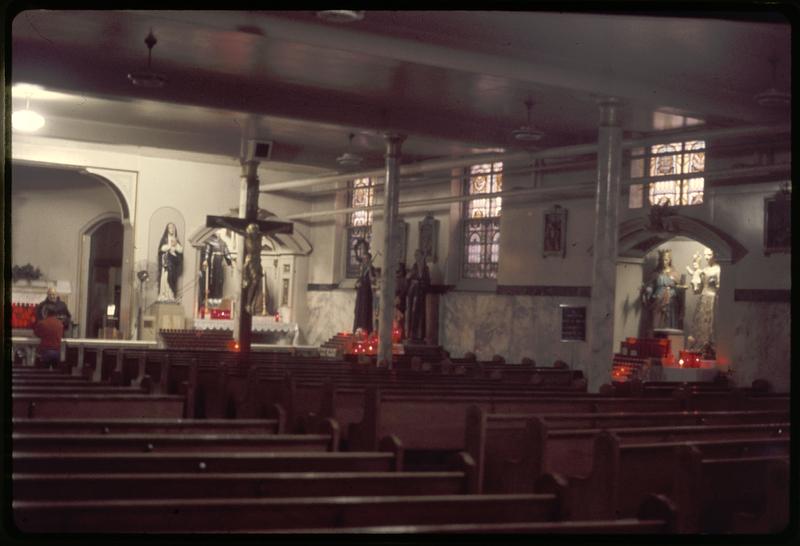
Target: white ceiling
[(454, 82)]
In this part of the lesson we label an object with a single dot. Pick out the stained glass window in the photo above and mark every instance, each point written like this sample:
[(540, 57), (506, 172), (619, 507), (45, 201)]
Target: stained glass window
[(362, 192), (665, 160), (482, 221)]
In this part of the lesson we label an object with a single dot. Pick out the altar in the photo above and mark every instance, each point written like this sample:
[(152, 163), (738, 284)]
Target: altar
[(261, 324)]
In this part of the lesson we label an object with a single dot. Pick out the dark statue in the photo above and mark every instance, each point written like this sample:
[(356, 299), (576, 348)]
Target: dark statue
[(366, 278), (212, 275), (251, 270), (418, 284), (400, 294)]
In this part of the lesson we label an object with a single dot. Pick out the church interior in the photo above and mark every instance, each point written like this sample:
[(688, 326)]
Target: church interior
[(399, 272)]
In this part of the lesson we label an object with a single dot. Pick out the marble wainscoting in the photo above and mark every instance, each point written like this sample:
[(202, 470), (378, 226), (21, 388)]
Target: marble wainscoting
[(762, 344), (329, 312), (513, 326)]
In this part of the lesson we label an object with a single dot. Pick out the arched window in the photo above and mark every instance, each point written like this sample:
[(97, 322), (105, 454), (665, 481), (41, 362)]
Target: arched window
[(482, 221), (679, 166), (359, 222)]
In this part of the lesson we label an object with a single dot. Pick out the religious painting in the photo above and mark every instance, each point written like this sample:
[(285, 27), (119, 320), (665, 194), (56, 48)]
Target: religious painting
[(778, 222), (555, 232), (428, 237)]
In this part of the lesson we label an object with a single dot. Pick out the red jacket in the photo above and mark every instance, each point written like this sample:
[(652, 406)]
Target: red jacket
[(50, 330)]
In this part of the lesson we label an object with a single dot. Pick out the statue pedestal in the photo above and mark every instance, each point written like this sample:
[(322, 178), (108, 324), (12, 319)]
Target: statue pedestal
[(168, 316)]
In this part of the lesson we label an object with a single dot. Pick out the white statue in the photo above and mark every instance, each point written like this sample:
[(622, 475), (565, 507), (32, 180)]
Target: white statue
[(695, 271), (704, 313)]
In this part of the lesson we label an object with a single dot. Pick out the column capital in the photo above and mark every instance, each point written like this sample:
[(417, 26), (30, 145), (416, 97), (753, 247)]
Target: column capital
[(249, 168), (609, 111), (392, 136)]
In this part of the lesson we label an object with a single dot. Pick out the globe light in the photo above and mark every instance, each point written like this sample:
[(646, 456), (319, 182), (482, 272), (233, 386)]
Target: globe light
[(27, 120)]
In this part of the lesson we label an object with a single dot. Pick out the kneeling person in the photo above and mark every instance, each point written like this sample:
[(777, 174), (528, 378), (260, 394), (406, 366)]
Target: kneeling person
[(50, 331)]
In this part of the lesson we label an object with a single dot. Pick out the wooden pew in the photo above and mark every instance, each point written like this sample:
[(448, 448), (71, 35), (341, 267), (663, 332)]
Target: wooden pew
[(570, 452), (731, 495), (389, 458), (622, 474), (437, 421), (234, 485), (505, 450), (94, 405), (94, 388), (198, 443), (231, 485), (656, 516), (241, 515), (345, 401), (161, 426)]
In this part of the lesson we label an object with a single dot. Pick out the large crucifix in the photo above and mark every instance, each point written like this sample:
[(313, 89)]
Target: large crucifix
[(252, 229)]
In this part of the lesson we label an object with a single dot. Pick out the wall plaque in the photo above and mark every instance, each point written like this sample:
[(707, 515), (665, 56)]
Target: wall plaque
[(573, 322)]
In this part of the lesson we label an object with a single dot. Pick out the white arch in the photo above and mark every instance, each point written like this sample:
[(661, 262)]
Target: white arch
[(638, 236)]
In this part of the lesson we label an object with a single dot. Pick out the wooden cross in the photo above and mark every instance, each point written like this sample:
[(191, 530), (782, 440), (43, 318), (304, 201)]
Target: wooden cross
[(252, 230)]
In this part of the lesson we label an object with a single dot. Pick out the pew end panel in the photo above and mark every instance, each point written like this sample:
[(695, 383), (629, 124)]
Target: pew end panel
[(392, 444)]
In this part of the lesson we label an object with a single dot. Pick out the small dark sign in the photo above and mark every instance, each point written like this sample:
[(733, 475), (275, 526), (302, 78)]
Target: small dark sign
[(573, 323)]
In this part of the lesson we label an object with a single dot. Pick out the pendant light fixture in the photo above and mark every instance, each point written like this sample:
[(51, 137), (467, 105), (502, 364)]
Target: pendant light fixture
[(148, 78), (349, 158), (772, 97), (27, 120), (527, 133)]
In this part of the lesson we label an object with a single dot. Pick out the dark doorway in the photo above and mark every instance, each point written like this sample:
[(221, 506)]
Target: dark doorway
[(105, 273)]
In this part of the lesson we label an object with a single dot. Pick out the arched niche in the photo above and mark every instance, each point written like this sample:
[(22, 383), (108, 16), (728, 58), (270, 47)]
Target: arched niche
[(275, 243), (640, 235), (282, 257)]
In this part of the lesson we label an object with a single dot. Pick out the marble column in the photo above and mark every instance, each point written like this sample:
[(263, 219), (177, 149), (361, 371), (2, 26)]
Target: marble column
[(391, 198), (244, 321), (604, 257)]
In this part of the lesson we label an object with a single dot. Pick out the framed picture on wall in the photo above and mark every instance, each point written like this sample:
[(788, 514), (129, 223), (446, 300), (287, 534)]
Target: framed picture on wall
[(555, 232), (778, 222)]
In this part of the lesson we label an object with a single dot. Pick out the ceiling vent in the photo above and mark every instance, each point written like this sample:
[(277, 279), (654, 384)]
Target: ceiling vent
[(349, 158), (148, 78), (528, 133)]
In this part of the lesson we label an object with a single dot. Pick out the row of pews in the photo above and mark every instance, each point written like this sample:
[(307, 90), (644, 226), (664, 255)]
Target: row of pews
[(202, 442)]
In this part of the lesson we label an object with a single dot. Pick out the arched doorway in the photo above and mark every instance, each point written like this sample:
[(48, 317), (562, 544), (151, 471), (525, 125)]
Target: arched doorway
[(104, 279)]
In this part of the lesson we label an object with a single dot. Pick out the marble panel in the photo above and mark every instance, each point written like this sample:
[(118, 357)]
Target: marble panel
[(458, 322), (762, 344), (329, 312), (493, 325), (523, 326)]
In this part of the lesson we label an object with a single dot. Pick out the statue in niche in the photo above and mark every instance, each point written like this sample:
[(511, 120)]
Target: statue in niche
[(364, 282), (251, 270), (661, 293), (418, 284), (429, 236), (212, 255), (170, 260), (702, 324)]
